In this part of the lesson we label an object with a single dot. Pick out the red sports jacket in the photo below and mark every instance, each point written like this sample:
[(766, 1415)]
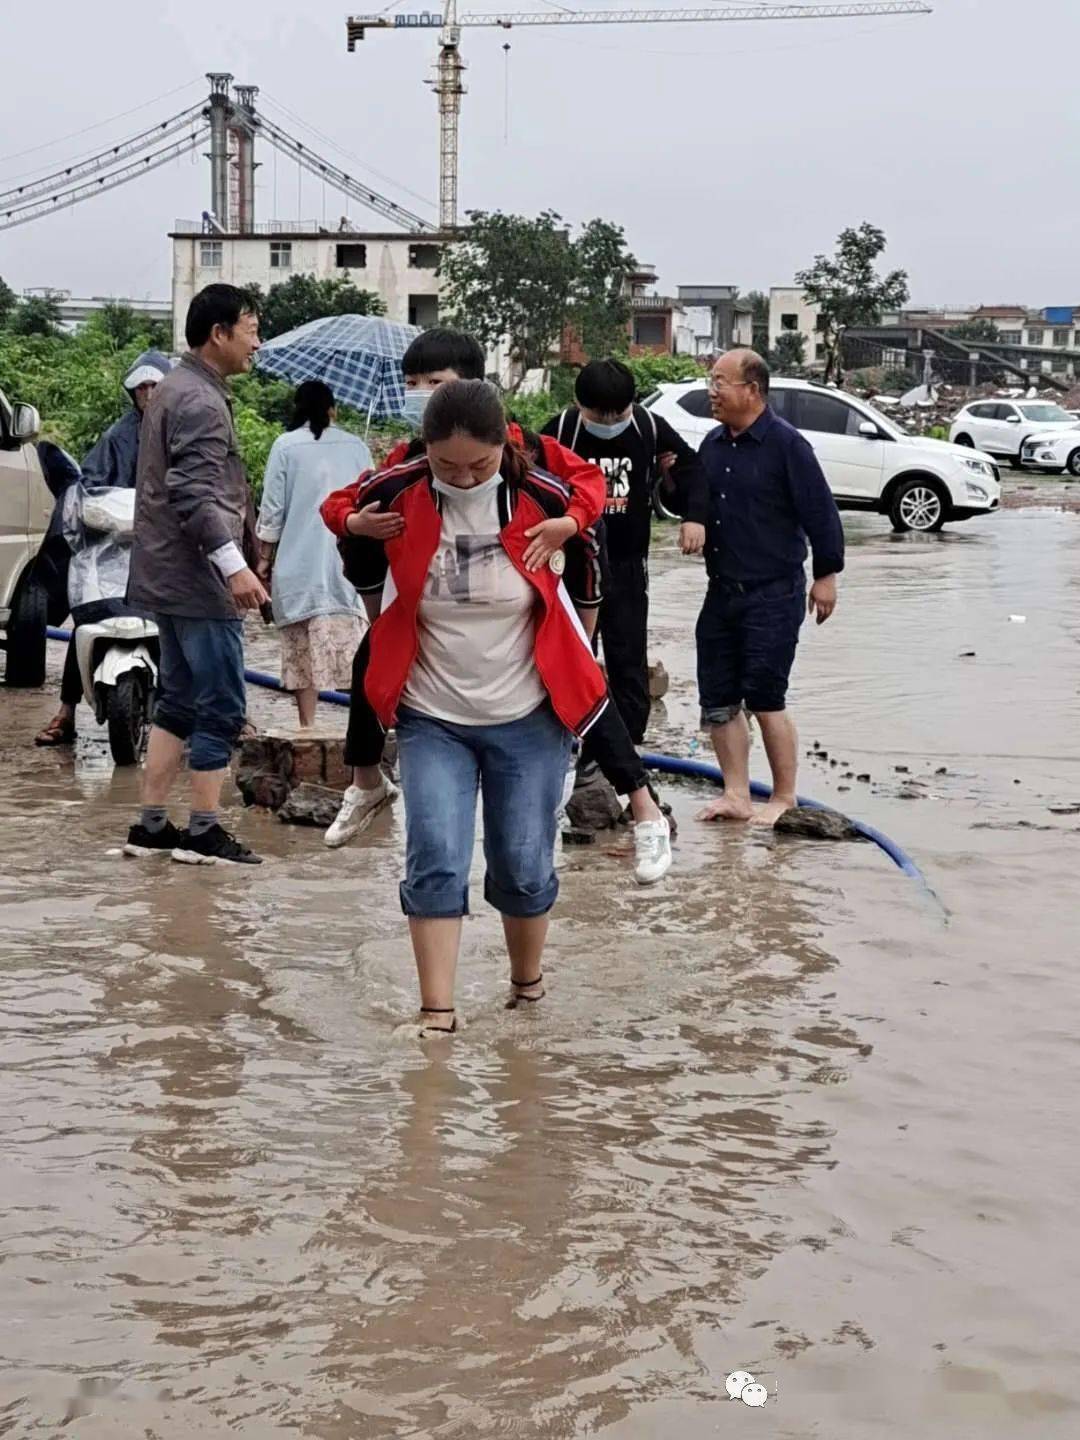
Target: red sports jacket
[(586, 482), (399, 568)]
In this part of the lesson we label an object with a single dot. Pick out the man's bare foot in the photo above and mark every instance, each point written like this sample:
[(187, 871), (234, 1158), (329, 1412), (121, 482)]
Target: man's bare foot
[(728, 807), (770, 812)]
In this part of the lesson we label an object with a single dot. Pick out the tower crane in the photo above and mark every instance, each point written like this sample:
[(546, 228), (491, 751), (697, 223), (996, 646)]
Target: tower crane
[(450, 67)]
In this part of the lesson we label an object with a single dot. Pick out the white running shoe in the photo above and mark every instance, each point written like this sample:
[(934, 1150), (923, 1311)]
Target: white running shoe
[(652, 851), (357, 808)]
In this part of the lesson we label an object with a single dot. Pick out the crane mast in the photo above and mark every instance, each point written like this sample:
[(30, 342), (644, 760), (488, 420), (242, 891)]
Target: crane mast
[(448, 86)]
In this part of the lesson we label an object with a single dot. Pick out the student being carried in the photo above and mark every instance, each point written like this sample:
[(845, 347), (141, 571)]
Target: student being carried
[(433, 359)]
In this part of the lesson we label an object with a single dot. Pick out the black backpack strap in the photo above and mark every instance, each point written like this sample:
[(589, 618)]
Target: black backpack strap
[(644, 422)]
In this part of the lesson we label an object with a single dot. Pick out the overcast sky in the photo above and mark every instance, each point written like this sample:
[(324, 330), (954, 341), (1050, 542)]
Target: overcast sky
[(730, 153)]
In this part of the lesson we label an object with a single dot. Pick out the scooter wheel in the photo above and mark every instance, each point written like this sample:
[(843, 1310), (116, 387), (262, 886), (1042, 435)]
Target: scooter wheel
[(127, 718)]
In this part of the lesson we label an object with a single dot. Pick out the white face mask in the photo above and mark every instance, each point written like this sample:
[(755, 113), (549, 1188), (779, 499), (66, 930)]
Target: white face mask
[(415, 405), (458, 492), (607, 432)]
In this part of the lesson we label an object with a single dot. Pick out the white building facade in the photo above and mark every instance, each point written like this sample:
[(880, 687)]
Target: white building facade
[(790, 313), (400, 268)]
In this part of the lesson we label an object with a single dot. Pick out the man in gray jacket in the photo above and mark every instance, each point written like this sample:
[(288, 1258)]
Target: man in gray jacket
[(193, 512)]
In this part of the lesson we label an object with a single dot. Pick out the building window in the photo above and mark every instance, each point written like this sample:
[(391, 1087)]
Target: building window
[(280, 254), (819, 323), (819, 352), (352, 257), (789, 322), (210, 254), (1035, 337), (1059, 365), (1010, 337), (1061, 339), (424, 257), (424, 311)]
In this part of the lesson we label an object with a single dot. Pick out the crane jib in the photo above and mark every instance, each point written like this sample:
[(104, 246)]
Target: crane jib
[(433, 20)]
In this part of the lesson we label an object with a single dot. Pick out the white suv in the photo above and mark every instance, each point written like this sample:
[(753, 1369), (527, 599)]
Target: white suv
[(869, 463), (1000, 427)]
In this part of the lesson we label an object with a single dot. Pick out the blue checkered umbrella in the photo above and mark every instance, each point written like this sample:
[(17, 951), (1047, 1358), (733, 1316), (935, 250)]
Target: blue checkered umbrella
[(358, 356)]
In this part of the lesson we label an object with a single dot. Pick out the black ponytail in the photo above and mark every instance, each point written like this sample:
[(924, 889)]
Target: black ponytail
[(312, 404)]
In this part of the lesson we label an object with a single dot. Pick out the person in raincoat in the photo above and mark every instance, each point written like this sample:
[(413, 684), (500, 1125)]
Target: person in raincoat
[(109, 465)]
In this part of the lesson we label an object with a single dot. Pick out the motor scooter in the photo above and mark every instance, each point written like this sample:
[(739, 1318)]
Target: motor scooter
[(119, 657)]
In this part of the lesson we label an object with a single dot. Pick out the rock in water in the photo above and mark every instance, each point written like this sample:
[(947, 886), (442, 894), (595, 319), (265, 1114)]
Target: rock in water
[(659, 681), (310, 805), (593, 804), (817, 825)]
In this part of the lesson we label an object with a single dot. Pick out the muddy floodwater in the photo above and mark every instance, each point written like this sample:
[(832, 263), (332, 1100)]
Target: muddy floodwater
[(785, 1113)]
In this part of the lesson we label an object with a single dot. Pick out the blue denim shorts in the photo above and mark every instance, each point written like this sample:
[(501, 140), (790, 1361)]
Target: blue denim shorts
[(519, 770), (746, 641), (201, 692)]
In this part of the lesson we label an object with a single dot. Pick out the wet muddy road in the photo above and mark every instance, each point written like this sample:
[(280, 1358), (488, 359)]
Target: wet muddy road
[(777, 1115)]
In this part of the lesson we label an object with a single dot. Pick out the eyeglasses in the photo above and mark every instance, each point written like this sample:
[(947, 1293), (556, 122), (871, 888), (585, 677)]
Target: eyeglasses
[(716, 386)]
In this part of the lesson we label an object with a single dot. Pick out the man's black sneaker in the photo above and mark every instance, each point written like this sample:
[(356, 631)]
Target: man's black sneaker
[(141, 841), (213, 847)]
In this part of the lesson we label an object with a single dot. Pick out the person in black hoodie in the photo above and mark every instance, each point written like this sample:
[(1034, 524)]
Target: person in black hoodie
[(637, 451)]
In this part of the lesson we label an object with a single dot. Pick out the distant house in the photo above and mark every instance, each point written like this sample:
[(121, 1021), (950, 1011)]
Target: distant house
[(790, 313), (399, 267)]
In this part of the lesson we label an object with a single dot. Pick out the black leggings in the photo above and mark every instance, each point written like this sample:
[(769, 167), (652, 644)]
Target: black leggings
[(71, 690)]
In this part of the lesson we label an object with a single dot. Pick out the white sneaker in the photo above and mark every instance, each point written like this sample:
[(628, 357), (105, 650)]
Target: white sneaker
[(652, 850), (357, 808)]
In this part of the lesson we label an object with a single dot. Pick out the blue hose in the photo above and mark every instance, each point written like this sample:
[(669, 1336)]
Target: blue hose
[(673, 765), (666, 764)]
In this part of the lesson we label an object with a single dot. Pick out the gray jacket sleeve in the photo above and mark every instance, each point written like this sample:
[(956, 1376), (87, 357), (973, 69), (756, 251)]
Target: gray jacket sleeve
[(198, 437)]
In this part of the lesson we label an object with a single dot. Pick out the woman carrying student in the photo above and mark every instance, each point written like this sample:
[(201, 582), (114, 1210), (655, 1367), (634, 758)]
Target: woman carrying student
[(433, 359), (479, 661)]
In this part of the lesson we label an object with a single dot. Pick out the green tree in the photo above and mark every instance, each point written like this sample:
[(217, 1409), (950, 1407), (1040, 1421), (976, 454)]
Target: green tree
[(759, 304), (119, 322), (512, 279), (8, 301), (847, 289), (302, 298), (976, 330), (37, 315), (600, 298), (789, 352)]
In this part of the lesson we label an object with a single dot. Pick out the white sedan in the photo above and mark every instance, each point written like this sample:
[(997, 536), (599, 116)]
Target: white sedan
[(1052, 452)]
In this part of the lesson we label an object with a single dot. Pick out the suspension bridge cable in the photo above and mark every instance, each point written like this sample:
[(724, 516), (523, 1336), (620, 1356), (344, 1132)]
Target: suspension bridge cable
[(131, 170), (97, 125), (341, 149), (103, 159), (339, 179)]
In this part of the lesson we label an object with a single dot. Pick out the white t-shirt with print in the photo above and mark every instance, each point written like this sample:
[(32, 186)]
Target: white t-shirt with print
[(477, 621)]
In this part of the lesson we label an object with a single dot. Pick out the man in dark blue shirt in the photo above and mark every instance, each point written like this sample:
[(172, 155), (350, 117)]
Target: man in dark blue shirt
[(767, 498)]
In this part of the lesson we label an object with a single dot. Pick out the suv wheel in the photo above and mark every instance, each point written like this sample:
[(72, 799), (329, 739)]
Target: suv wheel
[(26, 636), (1073, 463), (917, 504), (965, 440)]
